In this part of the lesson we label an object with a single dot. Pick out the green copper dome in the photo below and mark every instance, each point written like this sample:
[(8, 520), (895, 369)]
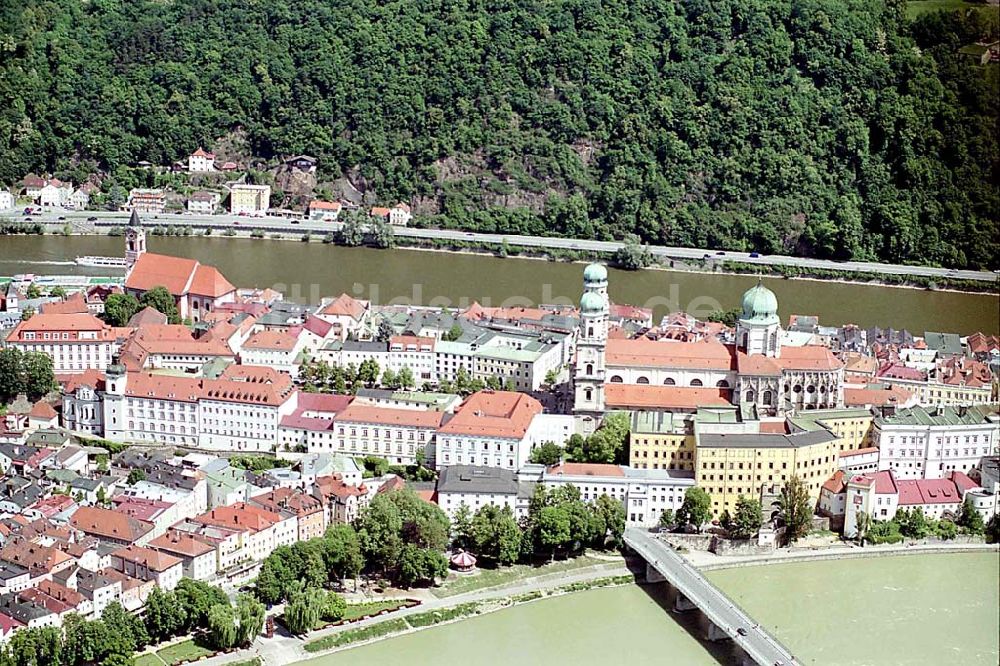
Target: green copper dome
[(591, 303), (595, 273), (760, 305)]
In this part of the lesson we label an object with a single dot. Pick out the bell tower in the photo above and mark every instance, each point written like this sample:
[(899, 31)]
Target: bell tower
[(589, 370), (135, 241)]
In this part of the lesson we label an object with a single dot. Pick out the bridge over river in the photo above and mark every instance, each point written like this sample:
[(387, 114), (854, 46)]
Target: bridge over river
[(724, 619)]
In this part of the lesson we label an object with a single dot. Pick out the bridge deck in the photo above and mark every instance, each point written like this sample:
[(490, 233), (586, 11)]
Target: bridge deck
[(717, 607)]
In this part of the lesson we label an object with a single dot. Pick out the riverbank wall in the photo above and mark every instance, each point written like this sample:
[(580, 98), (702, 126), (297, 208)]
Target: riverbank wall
[(844, 553), (710, 264)]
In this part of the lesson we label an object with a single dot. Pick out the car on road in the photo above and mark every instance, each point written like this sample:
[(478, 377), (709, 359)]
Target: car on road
[(741, 631), (62, 217), (720, 252), (92, 218), (754, 255), (27, 219)]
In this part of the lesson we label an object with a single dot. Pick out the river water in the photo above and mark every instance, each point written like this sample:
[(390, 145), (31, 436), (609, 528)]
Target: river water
[(305, 272), (925, 609)]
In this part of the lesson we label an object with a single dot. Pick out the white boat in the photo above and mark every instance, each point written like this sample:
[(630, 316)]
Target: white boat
[(110, 262)]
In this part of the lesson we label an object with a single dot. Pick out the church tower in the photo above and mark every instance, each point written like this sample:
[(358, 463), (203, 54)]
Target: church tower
[(135, 241), (758, 330), (588, 375)]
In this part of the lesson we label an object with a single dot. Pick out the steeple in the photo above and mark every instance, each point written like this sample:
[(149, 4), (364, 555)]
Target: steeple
[(135, 241)]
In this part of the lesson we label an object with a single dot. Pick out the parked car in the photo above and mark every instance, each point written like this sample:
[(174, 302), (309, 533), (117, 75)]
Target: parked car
[(92, 218), (741, 631)]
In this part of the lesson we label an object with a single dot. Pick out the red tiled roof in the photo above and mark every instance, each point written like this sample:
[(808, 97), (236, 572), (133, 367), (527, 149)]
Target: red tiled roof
[(42, 410), (355, 413), (74, 304), (344, 306), (862, 397), (585, 469), (108, 524), (161, 270), (271, 340), (325, 205), (653, 353), (201, 153), (648, 396), (858, 452), (835, 484), (334, 486), (154, 560), (239, 516), (494, 414), (208, 281), (177, 542), (379, 211)]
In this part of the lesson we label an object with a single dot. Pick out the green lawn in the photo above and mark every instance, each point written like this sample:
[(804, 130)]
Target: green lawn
[(181, 652), (915, 8), (148, 659), (354, 611), (503, 576)]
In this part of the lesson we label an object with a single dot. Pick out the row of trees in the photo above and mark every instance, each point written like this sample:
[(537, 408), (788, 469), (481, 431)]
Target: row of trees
[(355, 229), (559, 522), (913, 524), (113, 639), (322, 376), (30, 373), (608, 444)]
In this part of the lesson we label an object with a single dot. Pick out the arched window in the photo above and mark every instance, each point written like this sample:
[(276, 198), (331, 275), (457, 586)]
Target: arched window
[(642, 380), (590, 332), (616, 379), (669, 381), (722, 383), (750, 396), (696, 382), (768, 397), (590, 368), (589, 394)]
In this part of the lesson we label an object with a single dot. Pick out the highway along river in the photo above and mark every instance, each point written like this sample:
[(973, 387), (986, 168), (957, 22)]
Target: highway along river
[(922, 609), (307, 271)]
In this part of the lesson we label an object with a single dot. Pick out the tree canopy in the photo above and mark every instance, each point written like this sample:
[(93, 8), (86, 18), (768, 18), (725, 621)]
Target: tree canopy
[(830, 128)]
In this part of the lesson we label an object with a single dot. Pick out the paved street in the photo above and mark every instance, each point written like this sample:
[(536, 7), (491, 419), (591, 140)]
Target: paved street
[(717, 607), (278, 224)]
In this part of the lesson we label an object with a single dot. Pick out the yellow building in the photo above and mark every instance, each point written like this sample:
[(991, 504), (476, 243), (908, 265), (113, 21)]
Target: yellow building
[(249, 199), (661, 440), (735, 463), (852, 426)]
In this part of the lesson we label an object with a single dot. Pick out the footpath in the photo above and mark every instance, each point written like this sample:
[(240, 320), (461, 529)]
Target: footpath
[(285, 649)]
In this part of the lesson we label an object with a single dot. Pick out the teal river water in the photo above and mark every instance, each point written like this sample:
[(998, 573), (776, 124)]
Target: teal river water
[(305, 272), (925, 609)]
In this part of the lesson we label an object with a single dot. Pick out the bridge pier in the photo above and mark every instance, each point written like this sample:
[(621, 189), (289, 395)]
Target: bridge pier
[(654, 576), (682, 604), (713, 632)]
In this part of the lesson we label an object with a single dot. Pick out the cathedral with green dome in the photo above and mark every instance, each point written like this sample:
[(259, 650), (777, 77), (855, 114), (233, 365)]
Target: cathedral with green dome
[(748, 367)]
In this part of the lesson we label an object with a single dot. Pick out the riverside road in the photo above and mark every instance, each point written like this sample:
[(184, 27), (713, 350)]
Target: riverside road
[(283, 225)]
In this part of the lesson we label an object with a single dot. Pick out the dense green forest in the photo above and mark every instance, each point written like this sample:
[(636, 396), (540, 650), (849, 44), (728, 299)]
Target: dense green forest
[(833, 128)]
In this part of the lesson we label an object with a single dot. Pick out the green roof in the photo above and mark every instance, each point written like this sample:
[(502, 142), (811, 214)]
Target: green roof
[(942, 416), (654, 422)]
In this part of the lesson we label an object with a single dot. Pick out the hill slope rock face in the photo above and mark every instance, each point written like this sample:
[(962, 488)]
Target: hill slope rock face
[(831, 128)]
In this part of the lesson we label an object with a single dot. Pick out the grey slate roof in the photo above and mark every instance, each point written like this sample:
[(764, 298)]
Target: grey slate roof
[(766, 440), (481, 480)]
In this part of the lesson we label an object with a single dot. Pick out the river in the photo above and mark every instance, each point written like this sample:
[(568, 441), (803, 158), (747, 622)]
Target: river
[(305, 272), (920, 609)]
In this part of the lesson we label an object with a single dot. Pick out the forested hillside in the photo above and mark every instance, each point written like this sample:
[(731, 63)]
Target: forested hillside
[(822, 127)]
